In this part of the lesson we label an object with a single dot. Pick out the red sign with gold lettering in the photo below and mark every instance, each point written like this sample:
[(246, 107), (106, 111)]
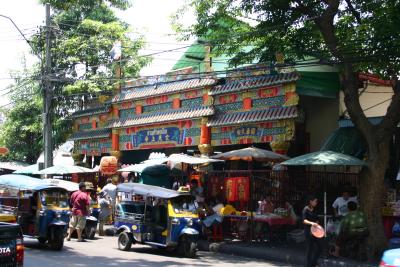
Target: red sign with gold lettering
[(230, 189), (243, 186)]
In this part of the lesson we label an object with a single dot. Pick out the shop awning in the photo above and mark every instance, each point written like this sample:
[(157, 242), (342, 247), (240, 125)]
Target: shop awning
[(319, 84), (254, 116), (348, 141)]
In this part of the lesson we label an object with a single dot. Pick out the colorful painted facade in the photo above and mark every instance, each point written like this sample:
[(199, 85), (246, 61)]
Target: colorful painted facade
[(203, 112)]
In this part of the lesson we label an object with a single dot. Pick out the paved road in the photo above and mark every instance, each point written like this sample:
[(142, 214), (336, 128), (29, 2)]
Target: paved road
[(104, 252)]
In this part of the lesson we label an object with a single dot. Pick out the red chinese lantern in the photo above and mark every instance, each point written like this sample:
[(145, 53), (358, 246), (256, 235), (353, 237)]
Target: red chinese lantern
[(108, 165)]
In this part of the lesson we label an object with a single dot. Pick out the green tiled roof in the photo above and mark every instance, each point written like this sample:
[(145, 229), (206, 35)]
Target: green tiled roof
[(94, 134), (91, 111)]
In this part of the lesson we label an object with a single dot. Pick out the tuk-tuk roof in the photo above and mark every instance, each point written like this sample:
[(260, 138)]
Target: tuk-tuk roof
[(149, 190), (24, 182)]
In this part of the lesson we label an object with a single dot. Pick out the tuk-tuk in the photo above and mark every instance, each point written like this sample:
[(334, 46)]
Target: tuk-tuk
[(42, 210), (156, 216)]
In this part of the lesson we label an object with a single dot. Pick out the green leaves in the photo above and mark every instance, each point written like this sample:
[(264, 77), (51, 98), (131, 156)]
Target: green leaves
[(367, 31)]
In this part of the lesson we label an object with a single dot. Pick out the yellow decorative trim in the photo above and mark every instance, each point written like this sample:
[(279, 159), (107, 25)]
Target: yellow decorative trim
[(289, 87), (248, 94), (171, 213), (205, 149)]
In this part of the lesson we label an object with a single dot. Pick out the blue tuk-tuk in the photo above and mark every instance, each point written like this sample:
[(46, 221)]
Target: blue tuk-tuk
[(42, 209), (156, 216)]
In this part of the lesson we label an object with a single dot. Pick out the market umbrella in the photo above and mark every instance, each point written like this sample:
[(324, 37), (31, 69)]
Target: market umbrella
[(251, 154), (184, 158), (64, 169), (136, 167), (324, 158), (31, 169)]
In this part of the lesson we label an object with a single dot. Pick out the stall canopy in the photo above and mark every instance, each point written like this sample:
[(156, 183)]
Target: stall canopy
[(136, 167), (148, 190), (28, 169), (63, 169), (324, 158), (251, 154), (13, 165)]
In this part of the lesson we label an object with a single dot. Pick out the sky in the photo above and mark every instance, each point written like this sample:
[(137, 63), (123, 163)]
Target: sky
[(149, 17)]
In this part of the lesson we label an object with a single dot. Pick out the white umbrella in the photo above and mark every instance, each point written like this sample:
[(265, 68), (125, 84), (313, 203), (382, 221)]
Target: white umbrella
[(64, 169), (136, 167), (183, 158)]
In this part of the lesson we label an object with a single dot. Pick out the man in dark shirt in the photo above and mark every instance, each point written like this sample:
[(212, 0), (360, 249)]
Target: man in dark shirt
[(80, 206)]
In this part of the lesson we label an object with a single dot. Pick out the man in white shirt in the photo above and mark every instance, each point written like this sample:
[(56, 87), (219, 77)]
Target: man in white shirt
[(340, 204), (111, 190)]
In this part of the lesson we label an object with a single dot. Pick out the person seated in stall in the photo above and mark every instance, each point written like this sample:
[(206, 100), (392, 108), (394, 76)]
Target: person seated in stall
[(197, 191), (265, 205), (214, 212), (340, 204), (353, 228)]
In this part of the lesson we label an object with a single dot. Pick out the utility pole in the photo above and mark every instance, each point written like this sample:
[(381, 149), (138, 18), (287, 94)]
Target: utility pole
[(47, 98)]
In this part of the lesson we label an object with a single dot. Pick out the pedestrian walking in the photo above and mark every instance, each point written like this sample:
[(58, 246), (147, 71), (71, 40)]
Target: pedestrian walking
[(310, 218), (105, 211), (80, 207), (111, 189)]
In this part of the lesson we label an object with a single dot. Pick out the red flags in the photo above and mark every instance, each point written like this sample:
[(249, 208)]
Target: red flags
[(237, 189), (230, 189), (243, 186)]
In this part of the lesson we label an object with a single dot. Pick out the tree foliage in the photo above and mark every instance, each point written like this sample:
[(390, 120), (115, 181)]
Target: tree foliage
[(83, 33), (355, 35)]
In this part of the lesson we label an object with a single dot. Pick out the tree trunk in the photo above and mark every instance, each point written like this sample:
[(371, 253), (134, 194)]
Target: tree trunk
[(371, 190)]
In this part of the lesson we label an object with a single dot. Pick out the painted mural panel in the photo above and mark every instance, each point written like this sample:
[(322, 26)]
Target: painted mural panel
[(177, 134), (282, 130)]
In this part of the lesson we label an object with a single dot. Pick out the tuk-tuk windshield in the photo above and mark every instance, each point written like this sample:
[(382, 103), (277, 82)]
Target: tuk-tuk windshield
[(183, 204), (54, 198)]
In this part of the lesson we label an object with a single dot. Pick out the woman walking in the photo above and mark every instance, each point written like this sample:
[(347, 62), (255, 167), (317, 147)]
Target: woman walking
[(310, 218)]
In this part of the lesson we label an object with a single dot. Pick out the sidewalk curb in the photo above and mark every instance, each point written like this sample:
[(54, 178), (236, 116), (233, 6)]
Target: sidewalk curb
[(274, 254)]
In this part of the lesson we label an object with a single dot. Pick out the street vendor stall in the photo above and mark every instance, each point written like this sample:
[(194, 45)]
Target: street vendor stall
[(324, 158)]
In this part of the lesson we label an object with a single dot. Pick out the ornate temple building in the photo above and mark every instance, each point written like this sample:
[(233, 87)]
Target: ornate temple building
[(204, 113)]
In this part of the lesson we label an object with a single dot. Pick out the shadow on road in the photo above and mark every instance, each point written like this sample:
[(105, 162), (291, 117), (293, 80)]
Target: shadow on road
[(113, 257)]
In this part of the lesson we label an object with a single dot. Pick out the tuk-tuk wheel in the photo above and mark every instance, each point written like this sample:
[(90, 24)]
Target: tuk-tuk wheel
[(42, 240), (90, 231), (125, 240), (57, 242), (187, 246)]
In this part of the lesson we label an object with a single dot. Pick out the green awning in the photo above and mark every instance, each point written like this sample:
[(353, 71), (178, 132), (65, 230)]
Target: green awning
[(319, 84), (348, 141)]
